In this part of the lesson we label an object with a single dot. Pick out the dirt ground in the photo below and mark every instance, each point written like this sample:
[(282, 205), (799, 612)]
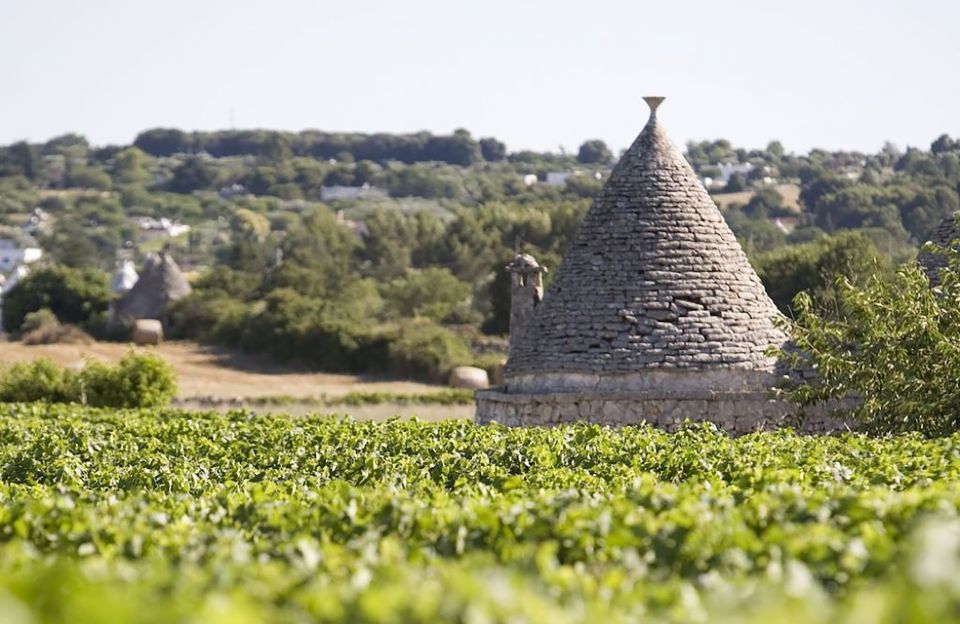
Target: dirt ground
[(214, 372)]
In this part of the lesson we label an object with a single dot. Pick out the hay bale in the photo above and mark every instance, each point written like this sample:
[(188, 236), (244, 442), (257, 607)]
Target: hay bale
[(469, 377), (147, 332)]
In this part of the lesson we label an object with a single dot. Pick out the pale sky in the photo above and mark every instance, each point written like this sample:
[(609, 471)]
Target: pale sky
[(838, 74)]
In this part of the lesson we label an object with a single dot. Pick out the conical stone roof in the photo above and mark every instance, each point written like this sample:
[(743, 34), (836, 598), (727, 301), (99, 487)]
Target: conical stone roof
[(946, 235), (160, 282), (654, 279)]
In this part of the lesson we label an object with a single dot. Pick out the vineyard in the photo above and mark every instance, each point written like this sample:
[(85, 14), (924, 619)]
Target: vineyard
[(166, 516)]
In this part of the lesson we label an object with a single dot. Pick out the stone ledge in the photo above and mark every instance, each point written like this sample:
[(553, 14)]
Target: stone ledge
[(735, 412), (721, 379), (498, 395)]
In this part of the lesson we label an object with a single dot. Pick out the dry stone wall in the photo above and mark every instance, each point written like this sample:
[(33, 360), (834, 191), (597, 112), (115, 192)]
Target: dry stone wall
[(736, 413)]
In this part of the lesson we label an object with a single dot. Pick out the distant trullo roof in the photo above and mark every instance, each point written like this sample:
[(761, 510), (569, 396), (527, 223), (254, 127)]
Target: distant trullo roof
[(654, 278), (160, 282), (946, 234)]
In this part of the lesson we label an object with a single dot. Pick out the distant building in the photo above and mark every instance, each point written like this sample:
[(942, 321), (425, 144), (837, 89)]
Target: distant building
[(160, 282), (333, 193), (156, 228), (654, 313), (14, 277), (234, 190), (17, 251), (530, 179), (557, 178), (727, 171), (125, 278)]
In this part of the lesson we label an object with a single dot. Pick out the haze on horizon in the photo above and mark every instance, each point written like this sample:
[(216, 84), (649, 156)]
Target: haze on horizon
[(535, 74)]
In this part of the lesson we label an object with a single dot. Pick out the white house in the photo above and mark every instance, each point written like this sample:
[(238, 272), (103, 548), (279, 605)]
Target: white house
[(158, 228), (125, 278), (559, 178), (14, 253), (728, 170)]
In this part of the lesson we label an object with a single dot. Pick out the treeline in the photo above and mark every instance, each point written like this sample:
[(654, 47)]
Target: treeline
[(459, 148)]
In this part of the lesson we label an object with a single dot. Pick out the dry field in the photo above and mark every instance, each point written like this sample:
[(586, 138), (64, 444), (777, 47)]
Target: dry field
[(223, 374), (790, 192)]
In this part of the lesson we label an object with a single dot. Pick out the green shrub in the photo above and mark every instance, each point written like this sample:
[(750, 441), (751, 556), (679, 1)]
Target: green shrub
[(137, 380), (814, 267), (208, 316), (39, 319), (894, 347), (434, 293), (427, 350), (39, 380), (42, 327), (73, 295)]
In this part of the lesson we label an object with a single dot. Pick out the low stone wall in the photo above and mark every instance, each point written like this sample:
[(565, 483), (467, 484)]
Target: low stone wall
[(737, 413)]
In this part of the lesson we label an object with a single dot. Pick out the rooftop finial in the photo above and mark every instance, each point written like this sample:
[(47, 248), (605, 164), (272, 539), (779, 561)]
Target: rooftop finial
[(653, 101)]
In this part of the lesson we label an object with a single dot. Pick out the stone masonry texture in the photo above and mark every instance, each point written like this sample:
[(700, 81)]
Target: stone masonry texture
[(946, 234), (654, 279)]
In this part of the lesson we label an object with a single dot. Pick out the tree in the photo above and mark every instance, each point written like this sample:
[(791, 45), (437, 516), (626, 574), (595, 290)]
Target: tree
[(755, 234), (735, 184), (388, 245), (163, 141), (247, 250), (457, 149), (21, 158), (73, 145), (130, 167), (815, 182), (433, 293), (944, 144), (775, 151), (193, 174), (317, 258), (492, 149), (366, 172), (766, 202), (594, 152), (275, 148), (814, 268), (70, 244), (892, 350), (87, 177), (74, 295), (500, 291)]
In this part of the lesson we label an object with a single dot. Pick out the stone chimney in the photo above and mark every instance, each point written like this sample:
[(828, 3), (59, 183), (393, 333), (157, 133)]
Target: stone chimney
[(526, 291)]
